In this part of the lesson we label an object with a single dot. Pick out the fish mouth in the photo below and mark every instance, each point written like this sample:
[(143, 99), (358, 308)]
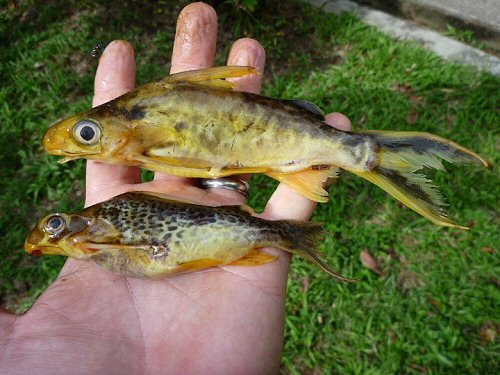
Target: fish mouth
[(58, 140), (39, 250), (70, 157)]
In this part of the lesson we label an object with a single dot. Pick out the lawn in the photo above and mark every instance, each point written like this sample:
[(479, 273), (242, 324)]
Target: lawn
[(432, 306)]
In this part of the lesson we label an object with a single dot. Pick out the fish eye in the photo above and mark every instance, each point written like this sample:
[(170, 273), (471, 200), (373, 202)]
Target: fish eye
[(87, 132), (55, 224)]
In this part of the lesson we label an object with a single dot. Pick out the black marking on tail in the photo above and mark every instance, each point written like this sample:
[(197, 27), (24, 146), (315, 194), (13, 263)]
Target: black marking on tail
[(424, 143), (402, 181), (304, 238)]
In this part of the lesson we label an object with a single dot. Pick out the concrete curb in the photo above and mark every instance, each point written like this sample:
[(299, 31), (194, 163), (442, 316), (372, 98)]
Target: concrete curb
[(406, 30)]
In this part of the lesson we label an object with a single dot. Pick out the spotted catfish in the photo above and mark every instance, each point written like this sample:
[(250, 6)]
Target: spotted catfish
[(149, 235), (194, 124)]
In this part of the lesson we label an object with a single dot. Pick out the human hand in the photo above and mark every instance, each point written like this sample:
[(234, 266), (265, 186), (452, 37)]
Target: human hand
[(221, 320)]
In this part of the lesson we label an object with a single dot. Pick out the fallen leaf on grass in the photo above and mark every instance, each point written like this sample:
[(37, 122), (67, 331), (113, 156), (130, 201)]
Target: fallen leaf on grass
[(370, 262), (487, 249), (412, 117), (392, 253), (415, 100), (488, 333)]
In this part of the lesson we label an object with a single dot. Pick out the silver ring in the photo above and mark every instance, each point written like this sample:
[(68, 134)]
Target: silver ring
[(228, 183)]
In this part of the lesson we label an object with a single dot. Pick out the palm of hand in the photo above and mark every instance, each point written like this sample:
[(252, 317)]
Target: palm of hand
[(200, 323), (221, 320)]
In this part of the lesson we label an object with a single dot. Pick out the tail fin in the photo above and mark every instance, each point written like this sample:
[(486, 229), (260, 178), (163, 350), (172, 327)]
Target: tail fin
[(401, 154), (303, 238)]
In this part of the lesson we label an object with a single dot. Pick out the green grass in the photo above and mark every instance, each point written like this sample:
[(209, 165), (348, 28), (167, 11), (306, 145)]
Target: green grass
[(436, 305)]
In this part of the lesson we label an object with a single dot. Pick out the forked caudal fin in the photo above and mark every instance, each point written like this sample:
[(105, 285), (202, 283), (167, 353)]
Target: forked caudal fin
[(303, 239), (401, 154)]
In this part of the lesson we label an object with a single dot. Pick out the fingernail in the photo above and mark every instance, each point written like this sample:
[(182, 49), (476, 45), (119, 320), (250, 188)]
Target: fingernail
[(252, 55)]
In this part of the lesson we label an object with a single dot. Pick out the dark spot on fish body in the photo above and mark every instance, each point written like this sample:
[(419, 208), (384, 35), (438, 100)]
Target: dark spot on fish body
[(247, 126), (204, 220), (231, 219), (132, 94), (180, 126), (137, 112), (154, 241), (353, 140)]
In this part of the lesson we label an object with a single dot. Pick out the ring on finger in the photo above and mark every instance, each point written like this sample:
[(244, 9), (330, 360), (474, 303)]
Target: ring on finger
[(228, 183)]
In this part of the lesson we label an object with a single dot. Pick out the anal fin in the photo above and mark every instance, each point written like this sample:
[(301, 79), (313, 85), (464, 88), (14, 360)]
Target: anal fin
[(253, 258), (308, 182), (197, 265)]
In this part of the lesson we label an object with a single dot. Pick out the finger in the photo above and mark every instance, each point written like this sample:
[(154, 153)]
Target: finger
[(286, 203), (248, 52), (115, 76), (194, 48), (339, 121), (195, 38)]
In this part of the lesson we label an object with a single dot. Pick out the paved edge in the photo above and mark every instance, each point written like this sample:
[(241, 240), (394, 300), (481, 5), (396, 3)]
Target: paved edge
[(398, 28)]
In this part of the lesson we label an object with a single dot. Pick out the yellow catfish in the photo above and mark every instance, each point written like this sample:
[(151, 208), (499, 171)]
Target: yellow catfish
[(194, 124)]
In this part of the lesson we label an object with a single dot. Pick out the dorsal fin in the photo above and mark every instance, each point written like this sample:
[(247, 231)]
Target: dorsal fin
[(211, 77), (308, 106)]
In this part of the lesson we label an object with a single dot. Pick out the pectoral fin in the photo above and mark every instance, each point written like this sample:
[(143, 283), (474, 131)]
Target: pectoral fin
[(212, 77), (253, 258), (92, 247), (169, 165), (308, 182)]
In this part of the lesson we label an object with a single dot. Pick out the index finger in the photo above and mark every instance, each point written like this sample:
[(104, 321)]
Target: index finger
[(115, 76)]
